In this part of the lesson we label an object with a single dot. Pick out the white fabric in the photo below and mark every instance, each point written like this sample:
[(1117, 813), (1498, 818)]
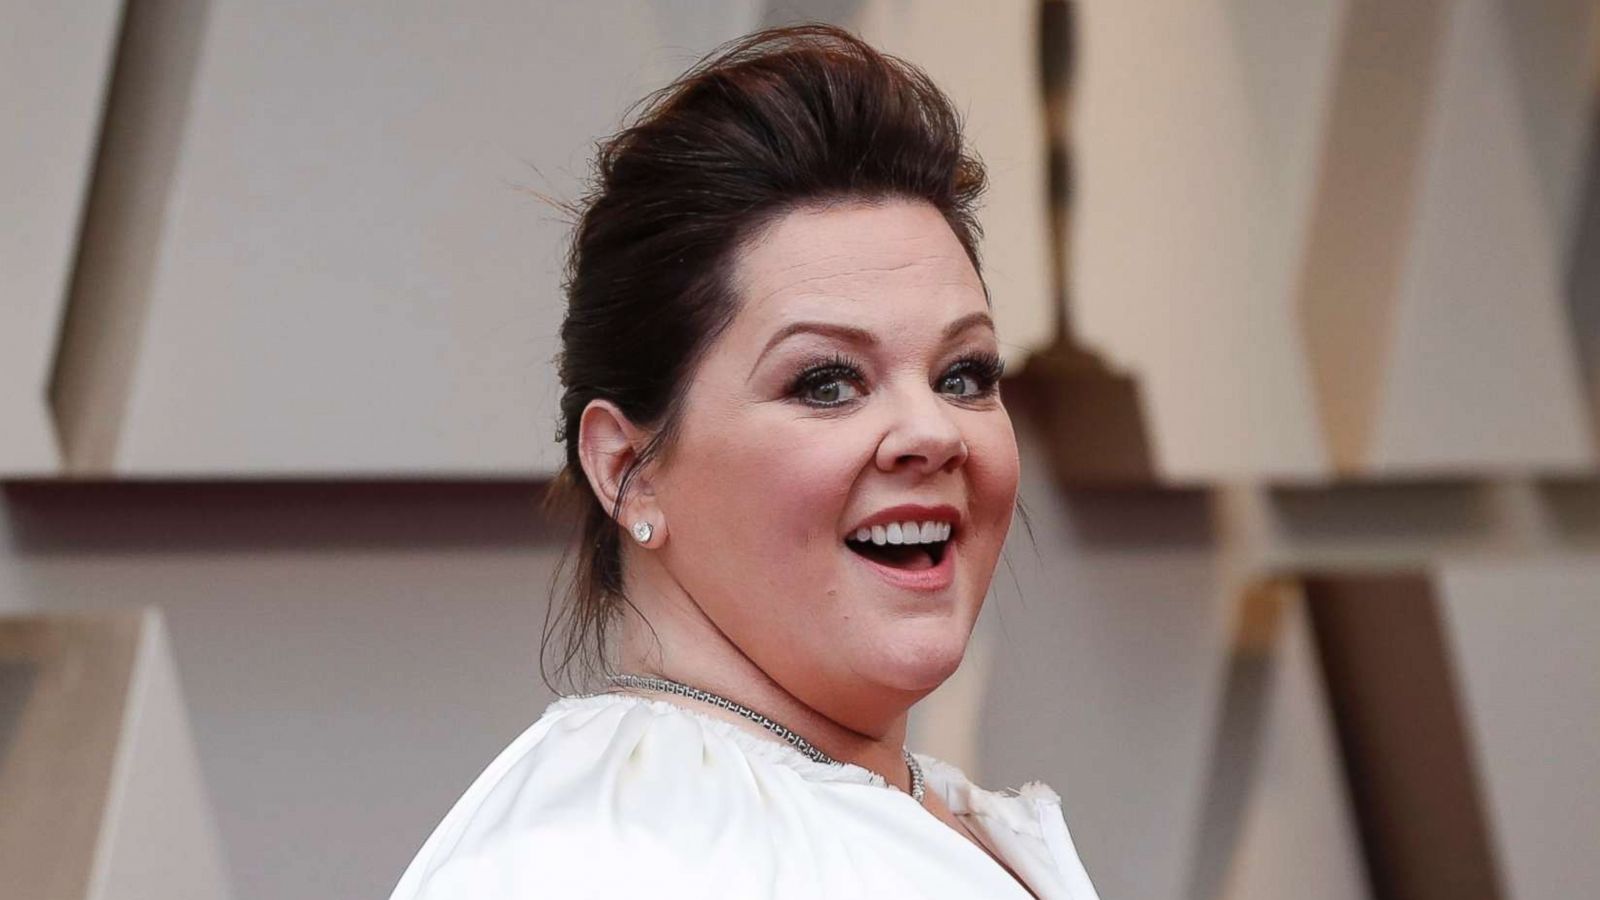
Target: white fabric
[(616, 795)]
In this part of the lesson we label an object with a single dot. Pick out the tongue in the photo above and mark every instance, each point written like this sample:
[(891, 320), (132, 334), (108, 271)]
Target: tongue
[(912, 557)]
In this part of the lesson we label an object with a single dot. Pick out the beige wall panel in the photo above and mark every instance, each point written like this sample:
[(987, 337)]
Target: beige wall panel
[(1416, 203), (1197, 127), (986, 56), (1356, 249), (1584, 285), (66, 682), (123, 228), (391, 297), (1481, 371), (1524, 634), (1452, 170), (159, 839), (1558, 79), (101, 790), (350, 277), (348, 665), (1554, 47), (55, 62), (1297, 836)]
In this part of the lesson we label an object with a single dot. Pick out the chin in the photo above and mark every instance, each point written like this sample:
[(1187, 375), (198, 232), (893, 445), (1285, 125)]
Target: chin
[(918, 663)]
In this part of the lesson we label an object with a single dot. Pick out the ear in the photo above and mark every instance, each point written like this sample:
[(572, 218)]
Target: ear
[(608, 444)]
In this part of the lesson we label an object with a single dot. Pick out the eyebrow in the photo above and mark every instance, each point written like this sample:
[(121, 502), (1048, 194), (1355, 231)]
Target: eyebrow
[(854, 335)]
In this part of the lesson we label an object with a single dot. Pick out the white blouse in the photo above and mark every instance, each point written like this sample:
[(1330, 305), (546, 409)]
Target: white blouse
[(616, 795)]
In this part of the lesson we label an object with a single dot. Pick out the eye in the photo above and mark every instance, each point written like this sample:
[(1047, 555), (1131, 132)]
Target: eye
[(972, 376), (833, 382), (830, 393)]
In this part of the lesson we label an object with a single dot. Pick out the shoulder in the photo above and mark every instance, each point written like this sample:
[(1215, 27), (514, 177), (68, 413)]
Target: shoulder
[(607, 795)]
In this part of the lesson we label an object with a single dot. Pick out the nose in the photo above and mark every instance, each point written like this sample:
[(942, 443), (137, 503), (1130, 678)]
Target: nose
[(922, 435)]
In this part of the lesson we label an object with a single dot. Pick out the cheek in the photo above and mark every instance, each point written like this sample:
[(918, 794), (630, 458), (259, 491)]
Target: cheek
[(994, 471), (775, 489)]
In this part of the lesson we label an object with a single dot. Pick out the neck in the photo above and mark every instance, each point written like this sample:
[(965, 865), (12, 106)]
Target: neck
[(675, 640)]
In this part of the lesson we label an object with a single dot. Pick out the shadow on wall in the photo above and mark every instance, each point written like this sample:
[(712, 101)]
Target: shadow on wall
[(66, 518)]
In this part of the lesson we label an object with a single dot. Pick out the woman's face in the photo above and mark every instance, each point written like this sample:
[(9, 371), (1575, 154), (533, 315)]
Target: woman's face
[(853, 392)]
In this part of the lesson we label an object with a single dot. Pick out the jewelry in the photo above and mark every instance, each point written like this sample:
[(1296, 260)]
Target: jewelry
[(650, 683), (642, 531)]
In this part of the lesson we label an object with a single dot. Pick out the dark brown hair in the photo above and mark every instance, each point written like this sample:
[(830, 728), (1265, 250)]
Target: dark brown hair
[(779, 120)]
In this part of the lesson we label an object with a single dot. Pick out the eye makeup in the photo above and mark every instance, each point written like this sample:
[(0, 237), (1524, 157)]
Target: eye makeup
[(986, 369), (826, 373), (821, 372)]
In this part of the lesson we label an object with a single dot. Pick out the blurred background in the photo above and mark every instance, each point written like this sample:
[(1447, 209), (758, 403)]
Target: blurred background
[(1302, 302)]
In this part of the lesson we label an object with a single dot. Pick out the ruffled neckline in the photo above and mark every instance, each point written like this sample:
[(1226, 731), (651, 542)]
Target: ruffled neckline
[(773, 749), (1013, 808)]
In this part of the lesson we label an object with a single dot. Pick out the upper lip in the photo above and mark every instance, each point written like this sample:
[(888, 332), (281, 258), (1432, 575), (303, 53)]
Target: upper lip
[(909, 512)]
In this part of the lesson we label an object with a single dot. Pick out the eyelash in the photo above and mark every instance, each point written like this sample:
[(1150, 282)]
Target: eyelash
[(985, 368)]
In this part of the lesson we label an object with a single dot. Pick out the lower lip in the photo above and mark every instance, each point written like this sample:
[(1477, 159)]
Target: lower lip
[(936, 578)]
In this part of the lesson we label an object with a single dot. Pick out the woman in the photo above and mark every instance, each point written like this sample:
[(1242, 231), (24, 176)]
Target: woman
[(782, 421)]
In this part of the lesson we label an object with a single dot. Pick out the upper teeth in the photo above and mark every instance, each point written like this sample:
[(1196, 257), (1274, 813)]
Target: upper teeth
[(905, 533)]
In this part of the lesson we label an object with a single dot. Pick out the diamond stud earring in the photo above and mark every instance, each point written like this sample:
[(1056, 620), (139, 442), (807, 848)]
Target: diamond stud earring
[(642, 531)]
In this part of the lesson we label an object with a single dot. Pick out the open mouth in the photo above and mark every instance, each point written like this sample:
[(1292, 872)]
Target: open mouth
[(898, 549)]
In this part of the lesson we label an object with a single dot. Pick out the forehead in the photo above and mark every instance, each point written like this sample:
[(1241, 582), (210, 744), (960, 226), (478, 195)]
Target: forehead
[(901, 256)]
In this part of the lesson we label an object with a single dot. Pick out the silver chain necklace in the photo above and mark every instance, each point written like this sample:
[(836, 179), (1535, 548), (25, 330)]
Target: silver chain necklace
[(651, 683)]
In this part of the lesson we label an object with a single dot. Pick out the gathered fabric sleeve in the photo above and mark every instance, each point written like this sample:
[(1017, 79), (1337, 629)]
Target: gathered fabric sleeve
[(624, 801), (567, 860)]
